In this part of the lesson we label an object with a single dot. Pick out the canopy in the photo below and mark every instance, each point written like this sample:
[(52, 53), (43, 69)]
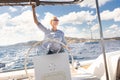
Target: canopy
[(15, 1), (38, 2)]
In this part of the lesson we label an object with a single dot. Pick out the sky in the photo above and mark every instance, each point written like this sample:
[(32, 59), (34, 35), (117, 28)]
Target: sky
[(76, 20)]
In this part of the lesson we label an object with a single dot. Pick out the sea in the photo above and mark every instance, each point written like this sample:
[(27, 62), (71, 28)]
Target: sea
[(13, 57)]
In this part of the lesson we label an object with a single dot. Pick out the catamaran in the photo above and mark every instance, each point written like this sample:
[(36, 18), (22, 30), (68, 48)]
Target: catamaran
[(105, 67)]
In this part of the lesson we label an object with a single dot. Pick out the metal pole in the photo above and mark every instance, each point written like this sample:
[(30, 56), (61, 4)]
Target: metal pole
[(102, 40)]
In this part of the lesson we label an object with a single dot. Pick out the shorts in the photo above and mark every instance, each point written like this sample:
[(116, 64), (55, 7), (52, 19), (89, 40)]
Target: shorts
[(53, 52)]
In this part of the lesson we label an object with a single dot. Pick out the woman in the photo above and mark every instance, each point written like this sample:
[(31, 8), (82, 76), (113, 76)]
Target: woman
[(54, 33)]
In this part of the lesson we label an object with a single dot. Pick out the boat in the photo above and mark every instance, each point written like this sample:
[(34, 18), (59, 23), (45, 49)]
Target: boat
[(87, 70), (105, 67)]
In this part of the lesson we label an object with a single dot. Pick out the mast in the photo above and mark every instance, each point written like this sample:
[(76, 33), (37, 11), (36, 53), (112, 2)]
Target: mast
[(89, 26), (102, 40)]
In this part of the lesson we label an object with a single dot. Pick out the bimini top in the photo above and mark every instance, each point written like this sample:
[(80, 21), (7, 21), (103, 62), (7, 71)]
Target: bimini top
[(37, 2)]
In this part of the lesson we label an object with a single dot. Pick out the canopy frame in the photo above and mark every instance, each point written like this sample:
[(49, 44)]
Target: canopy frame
[(37, 2)]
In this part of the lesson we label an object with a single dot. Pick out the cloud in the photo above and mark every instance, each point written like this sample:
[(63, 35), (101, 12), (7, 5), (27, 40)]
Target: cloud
[(95, 27), (46, 20), (25, 18), (83, 29), (21, 28), (74, 32), (77, 17), (72, 18), (91, 3), (25, 8), (112, 31), (111, 15), (4, 19), (18, 29), (114, 27), (12, 9)]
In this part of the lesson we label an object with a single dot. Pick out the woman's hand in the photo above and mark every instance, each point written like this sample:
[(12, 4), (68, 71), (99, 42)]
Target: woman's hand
[(33, 6), (68, 48)]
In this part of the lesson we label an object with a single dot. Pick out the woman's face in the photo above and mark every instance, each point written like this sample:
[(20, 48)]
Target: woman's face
[(55, 22)]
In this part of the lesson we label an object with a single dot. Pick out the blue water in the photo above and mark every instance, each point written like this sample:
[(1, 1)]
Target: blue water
[(13, 56)]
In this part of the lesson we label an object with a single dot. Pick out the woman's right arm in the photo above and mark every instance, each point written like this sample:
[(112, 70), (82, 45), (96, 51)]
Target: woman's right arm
[(34, 15), (40, 26)]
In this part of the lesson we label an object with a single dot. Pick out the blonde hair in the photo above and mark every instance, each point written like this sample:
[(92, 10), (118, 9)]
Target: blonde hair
[(53, 18)]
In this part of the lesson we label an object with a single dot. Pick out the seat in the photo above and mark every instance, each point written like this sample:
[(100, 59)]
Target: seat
[(97, 68), (52, 67)]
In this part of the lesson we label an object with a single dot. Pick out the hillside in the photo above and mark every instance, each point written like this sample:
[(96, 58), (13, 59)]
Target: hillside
[(69, 41)]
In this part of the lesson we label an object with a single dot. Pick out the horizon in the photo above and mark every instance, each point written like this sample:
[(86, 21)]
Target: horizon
[(78, 21)]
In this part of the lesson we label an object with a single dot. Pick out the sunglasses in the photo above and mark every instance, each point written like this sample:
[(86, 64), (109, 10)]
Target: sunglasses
[(55, 20)]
